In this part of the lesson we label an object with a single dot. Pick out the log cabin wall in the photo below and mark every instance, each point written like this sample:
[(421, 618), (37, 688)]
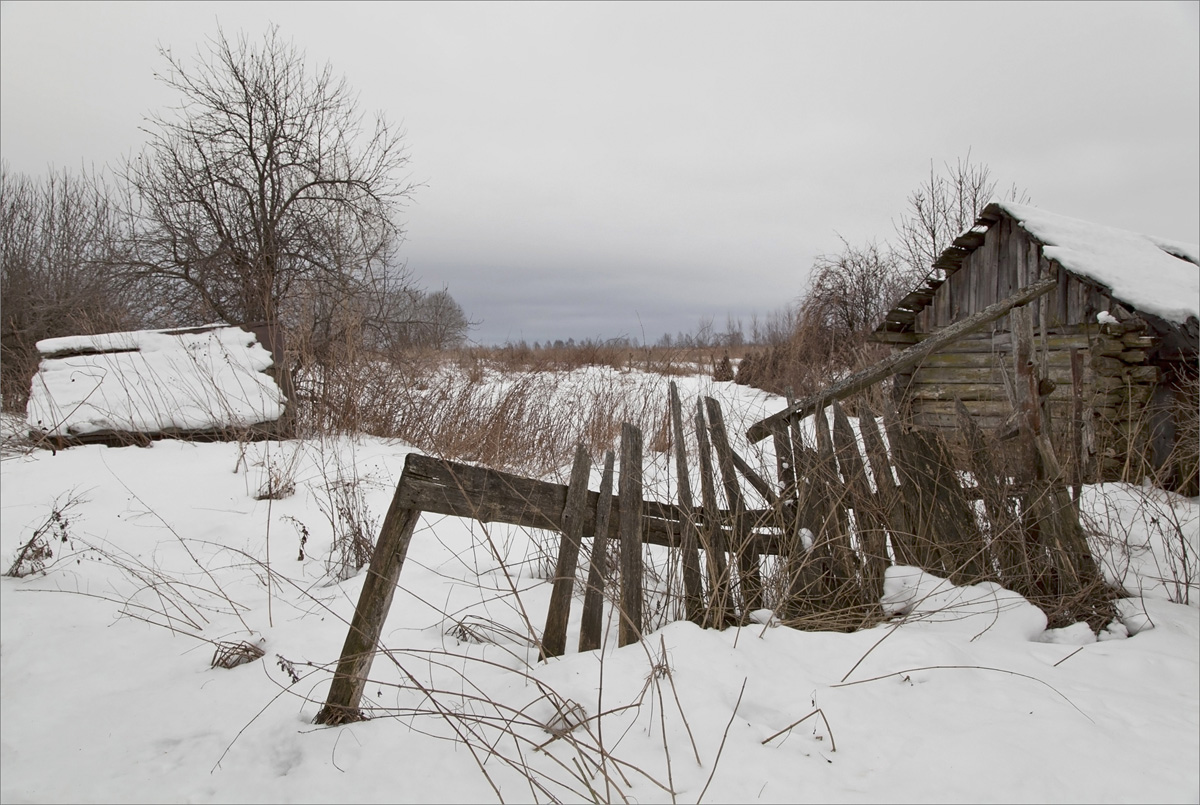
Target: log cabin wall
[(1098, 404)]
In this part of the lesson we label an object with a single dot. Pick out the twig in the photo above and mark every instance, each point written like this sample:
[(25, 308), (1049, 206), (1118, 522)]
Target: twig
[(724, 735), (965, 668)]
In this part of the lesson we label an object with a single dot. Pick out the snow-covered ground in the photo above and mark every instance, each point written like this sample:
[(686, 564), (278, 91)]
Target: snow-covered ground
[(109, 694)]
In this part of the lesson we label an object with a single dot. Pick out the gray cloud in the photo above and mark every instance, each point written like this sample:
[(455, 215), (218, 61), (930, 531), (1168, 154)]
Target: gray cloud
[(593, 170)]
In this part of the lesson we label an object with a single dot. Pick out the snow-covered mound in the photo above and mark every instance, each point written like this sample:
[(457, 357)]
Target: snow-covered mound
[(150, 381)]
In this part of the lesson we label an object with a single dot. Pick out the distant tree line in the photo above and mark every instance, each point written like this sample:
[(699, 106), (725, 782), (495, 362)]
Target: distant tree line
[(263, 196)]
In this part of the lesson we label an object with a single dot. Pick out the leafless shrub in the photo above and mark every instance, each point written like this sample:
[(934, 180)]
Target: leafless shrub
[(231, 654), (344, 506), (38, 550)]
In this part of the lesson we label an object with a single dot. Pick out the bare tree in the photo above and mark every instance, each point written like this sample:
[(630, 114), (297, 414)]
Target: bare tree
[(56, 240), (941, 209), (849, 292), (263, 186), (443, 322)]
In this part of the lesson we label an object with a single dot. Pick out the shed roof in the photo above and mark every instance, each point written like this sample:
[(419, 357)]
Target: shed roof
[(1149, 275), (196, 379)]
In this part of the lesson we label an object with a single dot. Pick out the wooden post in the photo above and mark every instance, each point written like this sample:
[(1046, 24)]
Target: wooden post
[(629, 515), (787, 510), (591, 624), (806, 566), (713, 536), (692, 585), (748, 570), (1051, 518), (833, 539), (358, 652), (554, 638), (1077, 469), (872, 544), (1007, 543), (886, 489)]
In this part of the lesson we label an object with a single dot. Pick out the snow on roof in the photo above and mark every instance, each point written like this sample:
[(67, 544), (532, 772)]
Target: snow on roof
[(152, 380), (1153, 275)]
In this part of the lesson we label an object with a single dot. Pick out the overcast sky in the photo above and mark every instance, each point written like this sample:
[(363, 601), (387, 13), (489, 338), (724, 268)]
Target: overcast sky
[(625, 169)]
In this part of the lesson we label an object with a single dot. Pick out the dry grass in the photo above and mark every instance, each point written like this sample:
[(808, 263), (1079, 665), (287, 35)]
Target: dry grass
[(521, 420)]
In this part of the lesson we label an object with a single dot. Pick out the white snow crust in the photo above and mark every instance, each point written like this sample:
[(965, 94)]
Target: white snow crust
[(1152, 274), (150, 380), (108, 691)]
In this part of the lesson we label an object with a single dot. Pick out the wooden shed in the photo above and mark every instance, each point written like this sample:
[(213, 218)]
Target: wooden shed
[(1117, 339)]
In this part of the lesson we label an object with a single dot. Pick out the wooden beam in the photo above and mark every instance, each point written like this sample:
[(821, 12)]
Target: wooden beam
[(554, 636), (901, 360)]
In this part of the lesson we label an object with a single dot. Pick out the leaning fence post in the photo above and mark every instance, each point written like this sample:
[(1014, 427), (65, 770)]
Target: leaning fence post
[(872, 540), (630, 528), (345, 693), (554, 637), (748, 572), (713, 534), (590, 625), (692, 586)]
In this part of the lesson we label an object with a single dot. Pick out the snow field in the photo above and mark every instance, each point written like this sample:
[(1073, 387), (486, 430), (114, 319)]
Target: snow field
[(965, 698)]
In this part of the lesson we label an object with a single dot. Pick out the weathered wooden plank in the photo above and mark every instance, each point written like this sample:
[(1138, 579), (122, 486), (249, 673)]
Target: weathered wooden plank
[(966, 375), (803, 574), (833, 534), (915, 546), (885, 337), (872, 536), (554, 636), (689, 541), (1000, 340), (461, 490), (366, 625), (901, 360), (887, 491), (987, 408), (1113, 385), (712, 537), (901, 316), (956, 391), (920, 389), (629, 521), (749, 576), (951, 526), (989, 359), (1078, 472), (949, 422), (591, 623), (1006, 543)]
